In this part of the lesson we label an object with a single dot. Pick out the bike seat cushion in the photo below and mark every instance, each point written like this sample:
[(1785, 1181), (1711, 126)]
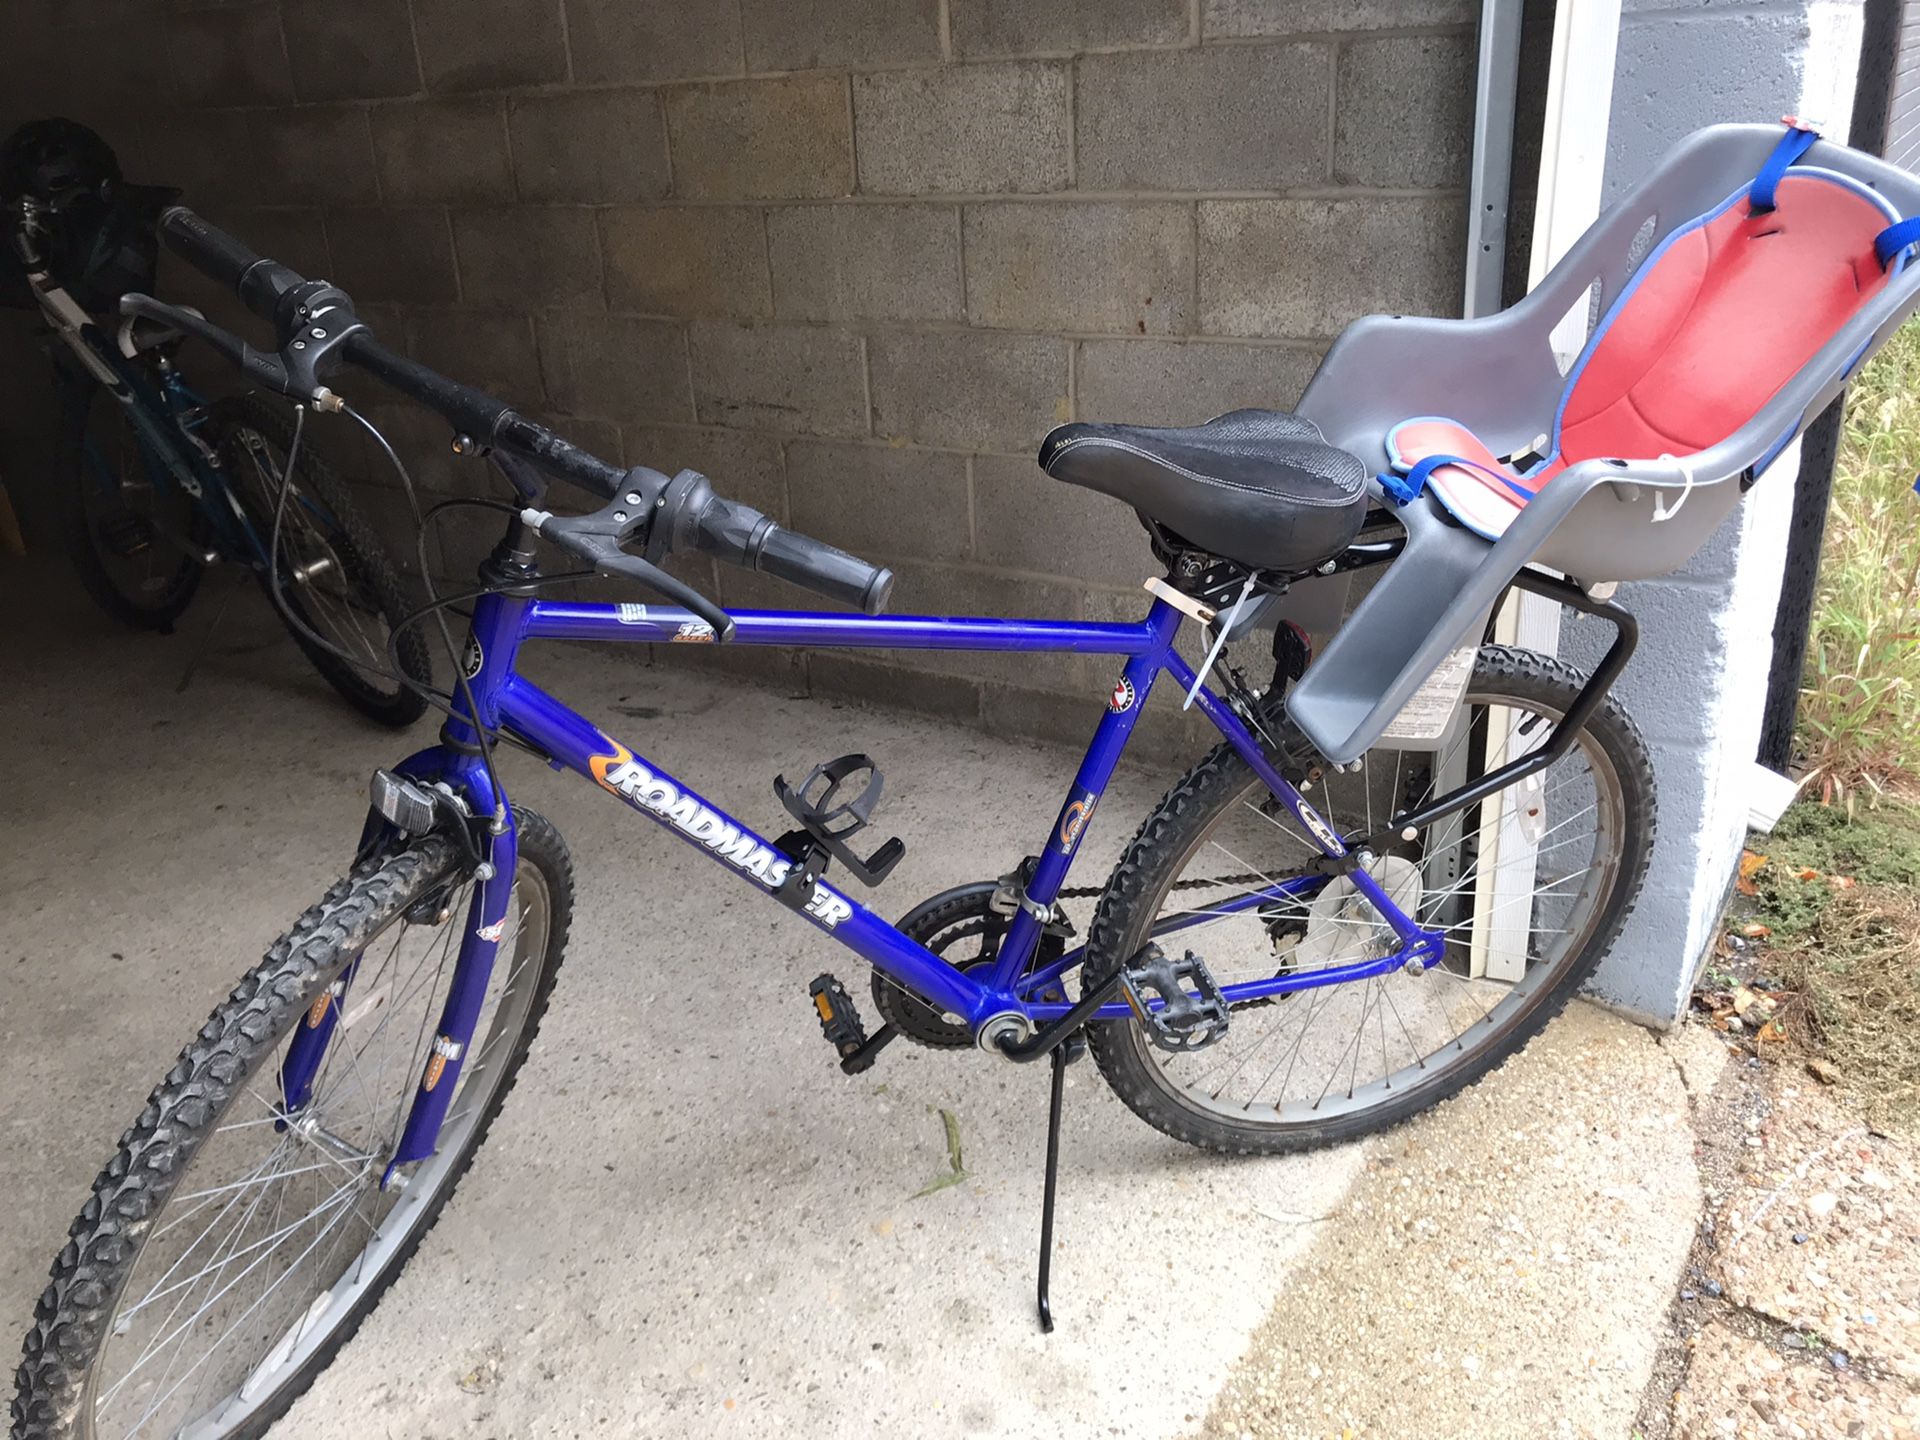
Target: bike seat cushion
[(1259, 487), (1722, 314)]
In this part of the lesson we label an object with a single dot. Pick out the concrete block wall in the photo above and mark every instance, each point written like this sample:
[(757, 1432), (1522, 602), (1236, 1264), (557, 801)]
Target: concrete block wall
[(1698, 682), (852, 258)]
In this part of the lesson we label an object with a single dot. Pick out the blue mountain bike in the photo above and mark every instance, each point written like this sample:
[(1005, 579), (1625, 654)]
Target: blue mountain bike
[(155, 482), (1288, 953)]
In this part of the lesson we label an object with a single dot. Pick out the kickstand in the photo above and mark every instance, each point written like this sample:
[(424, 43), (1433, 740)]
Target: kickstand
[(1061, 1055), (206, 641)]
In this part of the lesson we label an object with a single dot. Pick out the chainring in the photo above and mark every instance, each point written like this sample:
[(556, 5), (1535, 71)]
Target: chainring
[(961, 927)]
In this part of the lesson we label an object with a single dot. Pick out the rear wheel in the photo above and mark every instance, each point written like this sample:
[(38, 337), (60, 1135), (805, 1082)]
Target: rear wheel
[(130, 528), (335, 576), (230, 1248), (1529, 887)]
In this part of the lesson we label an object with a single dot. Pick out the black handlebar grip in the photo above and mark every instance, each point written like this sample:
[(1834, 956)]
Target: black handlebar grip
[(258, 281), (802, 560), (744, 536)]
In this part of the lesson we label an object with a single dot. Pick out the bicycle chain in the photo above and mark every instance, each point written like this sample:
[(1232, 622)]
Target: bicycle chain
[(1084, 892)]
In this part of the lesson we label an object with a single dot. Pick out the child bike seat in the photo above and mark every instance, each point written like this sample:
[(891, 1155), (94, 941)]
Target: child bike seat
[(1260, 487), (1729, 307), (1730, 293)]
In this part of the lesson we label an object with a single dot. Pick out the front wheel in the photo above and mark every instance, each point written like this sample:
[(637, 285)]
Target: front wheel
[(231, 1247), (1529, 888), (135, 537)]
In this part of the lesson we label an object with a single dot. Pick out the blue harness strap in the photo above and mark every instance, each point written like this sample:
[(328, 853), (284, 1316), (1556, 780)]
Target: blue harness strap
[(1795, 143), (1896, 238), (1407, 488)]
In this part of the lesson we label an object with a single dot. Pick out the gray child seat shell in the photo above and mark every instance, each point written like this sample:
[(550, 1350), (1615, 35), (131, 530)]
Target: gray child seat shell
[(1600, 518)]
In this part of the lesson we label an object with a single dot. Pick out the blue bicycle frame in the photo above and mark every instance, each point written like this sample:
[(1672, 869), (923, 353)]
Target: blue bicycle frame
[(163, 414), (507, 701)]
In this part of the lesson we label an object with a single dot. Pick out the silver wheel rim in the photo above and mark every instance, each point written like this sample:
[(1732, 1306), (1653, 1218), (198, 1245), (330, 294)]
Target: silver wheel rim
[(164, 1377), (310, 570), (1260, 1076)]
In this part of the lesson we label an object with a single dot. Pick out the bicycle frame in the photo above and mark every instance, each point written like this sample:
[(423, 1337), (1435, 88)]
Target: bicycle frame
[(162, 417), (506, 700)]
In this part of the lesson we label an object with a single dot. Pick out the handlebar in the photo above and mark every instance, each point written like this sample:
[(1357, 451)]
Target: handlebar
[(743, 536), (694, 517)]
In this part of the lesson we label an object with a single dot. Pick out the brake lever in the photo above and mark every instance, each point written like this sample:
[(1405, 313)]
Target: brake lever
[(264, 368), (578, 535), (293, 371)]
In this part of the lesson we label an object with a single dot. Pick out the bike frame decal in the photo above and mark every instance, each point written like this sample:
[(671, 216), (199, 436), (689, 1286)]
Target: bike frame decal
[(506, 700)]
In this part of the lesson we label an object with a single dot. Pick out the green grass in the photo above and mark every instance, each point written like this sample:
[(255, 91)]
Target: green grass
[(1876, 847), (1840, 893), (1860, 708)]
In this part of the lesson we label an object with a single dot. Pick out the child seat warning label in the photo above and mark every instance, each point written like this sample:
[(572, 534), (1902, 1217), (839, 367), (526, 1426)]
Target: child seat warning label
[(1432, 707)]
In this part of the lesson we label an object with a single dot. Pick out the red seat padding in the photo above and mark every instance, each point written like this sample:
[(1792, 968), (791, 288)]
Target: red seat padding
[(1725, 316), (1720, 317)]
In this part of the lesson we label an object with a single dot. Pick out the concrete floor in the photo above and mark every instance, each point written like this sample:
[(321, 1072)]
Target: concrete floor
[(686, 1217)]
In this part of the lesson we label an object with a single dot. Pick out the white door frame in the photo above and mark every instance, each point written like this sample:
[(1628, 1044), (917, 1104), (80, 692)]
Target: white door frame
[(1573, 162)]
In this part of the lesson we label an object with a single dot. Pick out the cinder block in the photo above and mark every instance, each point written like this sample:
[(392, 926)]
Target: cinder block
[(350, 50), (442, 152), (1240, 117), (1027, 520), (878, 683), (207, 153), (968, 129), (797, 379), (1363, 256), (230, 57), (686, 260), (1303, 17), (495, 352), (421, 439), (881, 502), (591, 147), (742, 466), (869, 262), (321, 154), (403, 256), (1154, 382), (615, 368), (1123, 268), (126, 56), (993, 28), (528, 255), (809, 34), (490, 44), (968, 389), (621, 40), (1670, 58), (1403, 112), (761, 139)]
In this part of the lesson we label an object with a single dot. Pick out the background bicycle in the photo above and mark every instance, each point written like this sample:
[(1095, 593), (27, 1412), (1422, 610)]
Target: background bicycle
[(155, 482)]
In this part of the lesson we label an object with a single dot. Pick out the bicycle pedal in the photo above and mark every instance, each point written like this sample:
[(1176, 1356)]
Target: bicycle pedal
[(839, 1020), (1183, 1020)]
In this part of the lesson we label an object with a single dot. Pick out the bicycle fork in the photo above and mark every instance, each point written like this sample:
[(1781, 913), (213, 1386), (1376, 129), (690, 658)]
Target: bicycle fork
[(484, 924)]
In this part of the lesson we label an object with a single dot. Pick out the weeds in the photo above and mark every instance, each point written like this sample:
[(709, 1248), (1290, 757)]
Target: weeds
[(1860, 708), (1839, 896)]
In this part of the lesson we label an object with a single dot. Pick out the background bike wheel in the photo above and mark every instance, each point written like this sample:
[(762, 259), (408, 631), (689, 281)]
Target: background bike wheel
[(228, 1252), (123, 517), (334, 574), (1326, 1064)]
